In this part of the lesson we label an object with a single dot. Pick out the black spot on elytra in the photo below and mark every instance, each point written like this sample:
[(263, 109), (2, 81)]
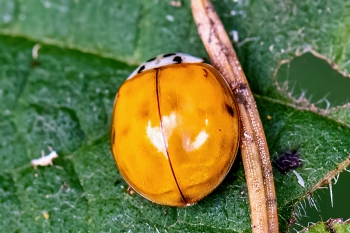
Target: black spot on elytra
[(225, 144), (169, 54), (144, 110), (229, 109), (177, 59), (205, 73), (141, 69), (125, 131), (144, 113), (201, 112), (152, 59), (288, 160), (173, 100)]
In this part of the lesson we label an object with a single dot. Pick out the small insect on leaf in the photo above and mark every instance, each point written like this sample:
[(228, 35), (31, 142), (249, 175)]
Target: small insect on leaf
[(287, 161), (44, 160)]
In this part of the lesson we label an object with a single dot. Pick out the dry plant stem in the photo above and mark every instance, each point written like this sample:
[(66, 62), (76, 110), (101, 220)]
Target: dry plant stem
[(255, 154)]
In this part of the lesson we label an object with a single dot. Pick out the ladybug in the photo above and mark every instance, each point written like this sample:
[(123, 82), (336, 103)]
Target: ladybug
[(175, 129)]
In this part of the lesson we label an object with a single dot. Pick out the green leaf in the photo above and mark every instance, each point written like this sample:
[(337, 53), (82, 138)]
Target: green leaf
[(332, 225), (64, 99)]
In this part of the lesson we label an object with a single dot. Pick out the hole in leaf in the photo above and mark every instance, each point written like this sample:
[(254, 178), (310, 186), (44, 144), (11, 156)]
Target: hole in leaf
[(314, 79)]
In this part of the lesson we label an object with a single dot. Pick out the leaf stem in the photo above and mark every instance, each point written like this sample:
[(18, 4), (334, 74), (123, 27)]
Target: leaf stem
[(255, 154)]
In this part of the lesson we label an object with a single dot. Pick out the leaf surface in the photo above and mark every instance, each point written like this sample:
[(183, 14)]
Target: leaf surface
[(64, 99)]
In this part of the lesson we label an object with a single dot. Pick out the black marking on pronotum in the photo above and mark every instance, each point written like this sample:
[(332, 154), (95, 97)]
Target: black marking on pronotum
[(288, 160), (141, 69), (151, 59), (169, 54), (177, 59), (229, 109)]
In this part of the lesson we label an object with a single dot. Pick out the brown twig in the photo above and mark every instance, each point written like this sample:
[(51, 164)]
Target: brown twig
[(255, 154)]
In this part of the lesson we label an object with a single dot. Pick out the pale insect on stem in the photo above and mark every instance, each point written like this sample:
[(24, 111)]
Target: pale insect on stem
[(255, 154)]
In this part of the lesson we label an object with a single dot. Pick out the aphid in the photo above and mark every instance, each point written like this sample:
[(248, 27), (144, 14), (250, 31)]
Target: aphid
[(287, 161), (44, 160)]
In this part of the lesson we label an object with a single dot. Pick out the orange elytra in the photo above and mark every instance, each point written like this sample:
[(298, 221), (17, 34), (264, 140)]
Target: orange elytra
[(175, 129)]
